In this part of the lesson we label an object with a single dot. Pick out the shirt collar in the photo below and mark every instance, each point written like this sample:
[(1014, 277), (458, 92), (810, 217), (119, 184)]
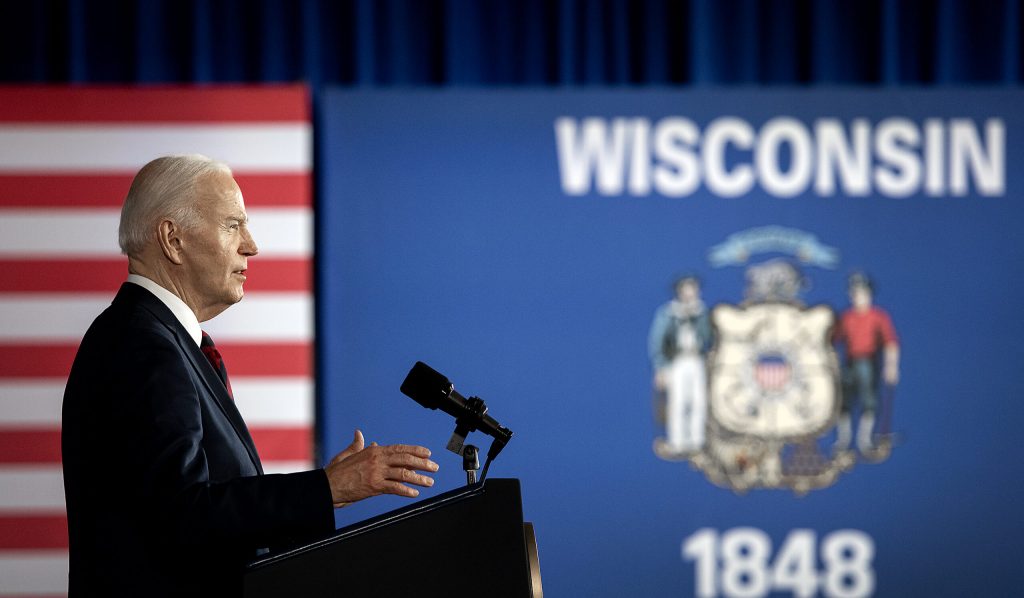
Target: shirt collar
[(182, 312)]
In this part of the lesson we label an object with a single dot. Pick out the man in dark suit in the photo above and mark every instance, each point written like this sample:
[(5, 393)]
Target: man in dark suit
[(165, 492)]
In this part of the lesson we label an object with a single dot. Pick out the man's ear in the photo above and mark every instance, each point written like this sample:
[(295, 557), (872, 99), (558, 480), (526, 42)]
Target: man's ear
[(169, 236)]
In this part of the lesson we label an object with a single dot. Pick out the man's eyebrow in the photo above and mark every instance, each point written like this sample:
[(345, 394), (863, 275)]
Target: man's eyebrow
[(241, 218)]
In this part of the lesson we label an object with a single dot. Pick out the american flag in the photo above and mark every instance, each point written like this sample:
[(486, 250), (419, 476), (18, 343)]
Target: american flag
[(67, 156)]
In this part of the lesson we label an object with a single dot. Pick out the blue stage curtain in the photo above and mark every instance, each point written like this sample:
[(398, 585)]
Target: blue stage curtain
[(513, 42)]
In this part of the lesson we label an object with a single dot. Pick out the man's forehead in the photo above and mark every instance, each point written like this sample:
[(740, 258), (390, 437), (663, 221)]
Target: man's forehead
[(217, 182), (219, 191)]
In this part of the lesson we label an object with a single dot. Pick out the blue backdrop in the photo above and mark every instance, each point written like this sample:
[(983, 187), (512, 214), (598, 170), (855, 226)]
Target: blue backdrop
[(447, 233)]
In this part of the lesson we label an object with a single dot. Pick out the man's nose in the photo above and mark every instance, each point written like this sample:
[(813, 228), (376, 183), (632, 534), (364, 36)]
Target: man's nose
[(248, 246)]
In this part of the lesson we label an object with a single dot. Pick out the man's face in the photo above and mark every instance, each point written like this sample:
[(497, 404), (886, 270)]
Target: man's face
[(688, 291), (216, 251), (860, 297)]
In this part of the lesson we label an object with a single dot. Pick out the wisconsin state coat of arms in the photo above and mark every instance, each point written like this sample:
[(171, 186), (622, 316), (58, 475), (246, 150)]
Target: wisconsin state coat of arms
[(769, 392)]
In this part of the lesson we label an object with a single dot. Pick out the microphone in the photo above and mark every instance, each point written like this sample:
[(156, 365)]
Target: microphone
[(431, 389)]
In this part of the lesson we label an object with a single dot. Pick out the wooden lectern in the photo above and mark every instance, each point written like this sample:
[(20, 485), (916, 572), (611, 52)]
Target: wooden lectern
[(467, 542)]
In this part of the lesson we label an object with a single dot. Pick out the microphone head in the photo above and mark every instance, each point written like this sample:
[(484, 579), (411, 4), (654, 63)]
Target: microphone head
[(426, 386)]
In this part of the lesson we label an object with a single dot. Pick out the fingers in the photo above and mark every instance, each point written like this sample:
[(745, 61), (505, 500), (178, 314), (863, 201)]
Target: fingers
[(405, 455), (384, 460), (401, 490), (358, 472), (351, 449), (403, 473), (408, 476), (419, 451), (400, 477), (407, 461)]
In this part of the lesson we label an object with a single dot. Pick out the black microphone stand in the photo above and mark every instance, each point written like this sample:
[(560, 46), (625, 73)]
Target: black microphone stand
[(475, 411), (470, 463)]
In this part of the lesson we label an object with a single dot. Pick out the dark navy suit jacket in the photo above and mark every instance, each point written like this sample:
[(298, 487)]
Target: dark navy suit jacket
[(165, 492)]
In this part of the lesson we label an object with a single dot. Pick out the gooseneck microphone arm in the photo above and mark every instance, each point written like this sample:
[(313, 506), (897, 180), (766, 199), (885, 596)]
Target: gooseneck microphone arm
[(433, 390)]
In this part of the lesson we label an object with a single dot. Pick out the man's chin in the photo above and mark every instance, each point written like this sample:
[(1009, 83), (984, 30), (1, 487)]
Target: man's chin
[(230, 299), (237, 292)]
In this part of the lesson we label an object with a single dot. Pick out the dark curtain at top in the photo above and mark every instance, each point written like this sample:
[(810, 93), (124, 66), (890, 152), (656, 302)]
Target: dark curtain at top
[(512, 42)]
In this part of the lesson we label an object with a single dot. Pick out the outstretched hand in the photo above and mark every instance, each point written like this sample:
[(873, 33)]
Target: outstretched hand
[(360, 471)]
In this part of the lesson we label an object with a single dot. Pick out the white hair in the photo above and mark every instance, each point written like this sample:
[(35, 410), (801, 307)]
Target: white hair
[(164, 189)]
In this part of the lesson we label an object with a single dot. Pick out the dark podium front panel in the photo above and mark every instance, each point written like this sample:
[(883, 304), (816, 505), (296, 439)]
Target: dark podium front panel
[(466, 542)]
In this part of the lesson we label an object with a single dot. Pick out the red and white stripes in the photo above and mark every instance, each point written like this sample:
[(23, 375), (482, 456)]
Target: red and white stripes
[(67, 156)]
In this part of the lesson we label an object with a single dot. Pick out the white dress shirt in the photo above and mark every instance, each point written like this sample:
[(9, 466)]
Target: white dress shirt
[(181, 311)]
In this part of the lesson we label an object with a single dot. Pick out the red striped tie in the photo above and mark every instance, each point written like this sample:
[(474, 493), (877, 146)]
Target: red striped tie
[(210, 351)]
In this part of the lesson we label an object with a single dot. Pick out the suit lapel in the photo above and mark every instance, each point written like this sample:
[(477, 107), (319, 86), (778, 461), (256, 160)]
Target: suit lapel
[(220, 394), (200, 364)]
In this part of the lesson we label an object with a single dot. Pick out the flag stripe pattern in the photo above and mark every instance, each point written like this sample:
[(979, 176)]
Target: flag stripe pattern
[(67, 157), (71, 276), (46, 360), (58, 232), (107, 190)]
